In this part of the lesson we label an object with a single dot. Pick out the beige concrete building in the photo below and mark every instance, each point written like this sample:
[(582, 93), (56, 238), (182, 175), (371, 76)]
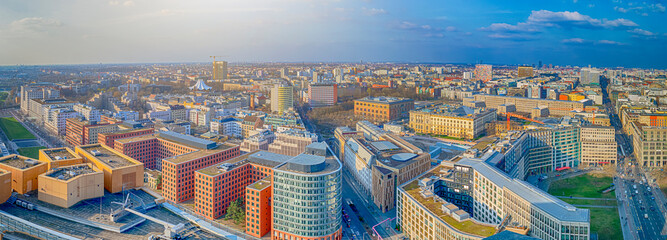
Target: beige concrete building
[(522, 104), (453, 121), (24, 172), (59, 157), (5, 185), (66, 186), (292, 142), (598, 145), (120, 171), (649, 144)]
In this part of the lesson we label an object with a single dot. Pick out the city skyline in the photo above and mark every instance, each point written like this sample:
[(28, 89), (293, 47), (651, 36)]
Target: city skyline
[(597, 33)]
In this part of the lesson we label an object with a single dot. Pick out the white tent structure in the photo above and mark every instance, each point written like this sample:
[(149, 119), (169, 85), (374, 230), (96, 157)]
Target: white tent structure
[(200, 85)]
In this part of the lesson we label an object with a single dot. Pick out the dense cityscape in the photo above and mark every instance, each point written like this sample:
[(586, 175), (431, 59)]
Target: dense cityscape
[(332, 151), (333, 120)]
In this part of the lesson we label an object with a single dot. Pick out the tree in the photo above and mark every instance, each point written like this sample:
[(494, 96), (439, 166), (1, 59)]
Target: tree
[(236, 211)]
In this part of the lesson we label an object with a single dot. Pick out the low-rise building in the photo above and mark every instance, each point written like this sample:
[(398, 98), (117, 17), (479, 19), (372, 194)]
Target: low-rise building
[(59, 157), (5, 185), (66, 186), (120, 171), (24, 171)]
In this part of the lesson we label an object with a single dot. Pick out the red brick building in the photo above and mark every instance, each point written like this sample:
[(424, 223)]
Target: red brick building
[(109, 138), (178, 156)]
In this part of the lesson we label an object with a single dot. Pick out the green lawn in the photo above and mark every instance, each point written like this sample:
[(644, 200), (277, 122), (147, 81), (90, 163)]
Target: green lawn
[(606, 223), (585, 185), (14, 130), (31, 152), (590, 202)]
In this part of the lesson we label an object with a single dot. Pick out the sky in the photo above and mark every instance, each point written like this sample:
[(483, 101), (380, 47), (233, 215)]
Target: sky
[(601, 33)]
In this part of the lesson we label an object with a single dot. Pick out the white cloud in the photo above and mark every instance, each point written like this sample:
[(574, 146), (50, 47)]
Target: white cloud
[(114, 3), (128, 3), (34, 24), (451, 29), (505, 27), (575, 19), (609, 42), (641, 32), (373, 11), (574, 40)]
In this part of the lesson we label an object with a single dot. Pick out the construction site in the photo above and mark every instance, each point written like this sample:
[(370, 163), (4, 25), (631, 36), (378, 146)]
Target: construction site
[(129, 214)]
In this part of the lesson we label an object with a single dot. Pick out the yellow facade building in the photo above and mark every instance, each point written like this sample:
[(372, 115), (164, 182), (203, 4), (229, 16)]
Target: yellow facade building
[(5, 185), (120, 171), (66, 186), (24, 172), (59, 157)]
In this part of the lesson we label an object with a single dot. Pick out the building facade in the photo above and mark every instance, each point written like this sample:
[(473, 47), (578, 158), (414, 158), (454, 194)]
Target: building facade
[(383, 109), (320, 95)]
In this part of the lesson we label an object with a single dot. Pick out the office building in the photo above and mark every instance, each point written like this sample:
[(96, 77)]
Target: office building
[(320, 95), (483, 72), (282, 98), (522, 104), (290, 197), (383, 109), (80, 132), (292, 142), (589, 76), (469, 199), (178, 156), (381, 165), (307, 197), (598, 145), (220, 70), (36, 91), (88, 112), (109, 138), (453, 121), (55, 119), (648, 143), (525, 71)]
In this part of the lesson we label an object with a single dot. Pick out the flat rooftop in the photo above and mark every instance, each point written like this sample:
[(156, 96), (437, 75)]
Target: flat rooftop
[(468, 226), (264, 158), (542, 200), (59, 154), (198, 154), (111, 159), (261, 184), (69, 172), (319, 164), (19, 162), (387, 100)]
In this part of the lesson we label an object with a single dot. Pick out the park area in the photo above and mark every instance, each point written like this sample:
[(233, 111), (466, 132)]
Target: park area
[(14, 130), (585, 191)]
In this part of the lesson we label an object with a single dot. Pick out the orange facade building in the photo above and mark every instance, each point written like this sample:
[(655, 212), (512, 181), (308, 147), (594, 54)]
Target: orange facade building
[(251, 177), (120, 171)]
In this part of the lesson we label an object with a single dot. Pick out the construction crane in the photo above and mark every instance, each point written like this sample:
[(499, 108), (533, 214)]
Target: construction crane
[(520, 117)]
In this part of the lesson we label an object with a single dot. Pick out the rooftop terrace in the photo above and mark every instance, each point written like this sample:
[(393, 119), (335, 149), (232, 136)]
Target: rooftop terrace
[(19, 162), (69, 172), (58, 154), (468, 226), (108, 157)]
